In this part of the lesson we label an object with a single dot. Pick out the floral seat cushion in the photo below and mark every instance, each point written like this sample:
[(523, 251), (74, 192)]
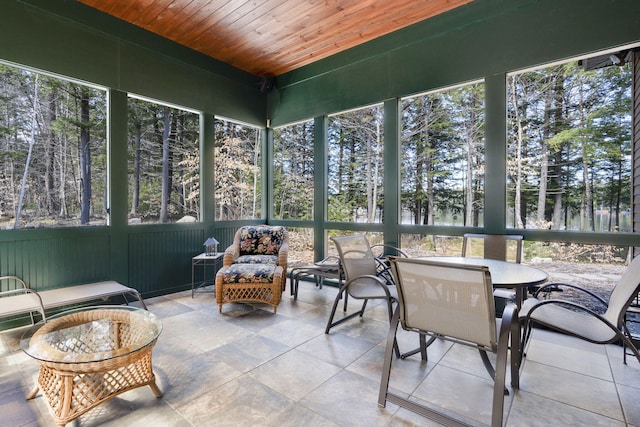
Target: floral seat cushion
[(257, 259), (261, 240), (248, 273)]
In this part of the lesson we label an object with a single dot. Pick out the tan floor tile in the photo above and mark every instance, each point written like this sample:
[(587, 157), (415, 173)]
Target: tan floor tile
[(248, 366)]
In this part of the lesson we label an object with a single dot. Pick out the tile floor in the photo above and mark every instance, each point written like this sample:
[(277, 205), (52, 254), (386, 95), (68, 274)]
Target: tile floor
[(249, 367)]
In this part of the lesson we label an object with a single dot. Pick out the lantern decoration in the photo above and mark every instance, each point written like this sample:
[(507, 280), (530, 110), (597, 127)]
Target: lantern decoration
[(211, 246)]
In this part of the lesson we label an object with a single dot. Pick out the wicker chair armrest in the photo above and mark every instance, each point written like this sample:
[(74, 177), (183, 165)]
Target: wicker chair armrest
[(283, 253), (230, 254)]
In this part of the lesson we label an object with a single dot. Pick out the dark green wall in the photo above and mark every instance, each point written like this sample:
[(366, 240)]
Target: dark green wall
[(70, 39), (480, 39)]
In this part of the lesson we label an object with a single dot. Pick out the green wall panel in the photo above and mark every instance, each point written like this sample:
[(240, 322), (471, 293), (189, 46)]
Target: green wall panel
[(57, 260), (39, 40), (483, 38), (160, 259)]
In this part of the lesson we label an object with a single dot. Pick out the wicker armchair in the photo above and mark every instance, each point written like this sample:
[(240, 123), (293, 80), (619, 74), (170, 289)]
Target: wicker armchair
[(259, 244)]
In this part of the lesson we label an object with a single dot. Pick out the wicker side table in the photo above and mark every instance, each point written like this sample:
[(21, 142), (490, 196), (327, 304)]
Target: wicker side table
[(88, 356)]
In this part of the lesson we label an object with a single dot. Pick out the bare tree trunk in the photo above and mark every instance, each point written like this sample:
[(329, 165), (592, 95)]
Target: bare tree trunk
[(49, 180), (557, 196), (588, 193), (135, 197), (372, 185), (468, 215), (85, 157), (164, 203), (421, 169), (544, 161), (28, 161), (518, 153), (559, 160), (256, 168)]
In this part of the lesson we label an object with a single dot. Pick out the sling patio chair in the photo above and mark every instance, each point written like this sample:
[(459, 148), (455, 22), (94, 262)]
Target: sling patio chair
[(452, 302), (365, 278), (494, 246), (502, 247), (572, 318)]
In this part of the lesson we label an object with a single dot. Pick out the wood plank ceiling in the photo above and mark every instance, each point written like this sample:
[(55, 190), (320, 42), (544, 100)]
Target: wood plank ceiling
[(272, 37)]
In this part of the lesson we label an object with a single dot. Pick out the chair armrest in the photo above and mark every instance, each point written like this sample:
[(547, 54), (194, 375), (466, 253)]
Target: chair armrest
[(557, 287), (508, 294), (397, 251), (230, 254), (572, 305), (377, 279), (283, 254), (16, 279)]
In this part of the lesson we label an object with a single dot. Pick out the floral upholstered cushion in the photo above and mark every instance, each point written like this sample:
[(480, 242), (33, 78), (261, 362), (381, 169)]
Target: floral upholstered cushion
[(248, 273), (257, 259), (261, 240)]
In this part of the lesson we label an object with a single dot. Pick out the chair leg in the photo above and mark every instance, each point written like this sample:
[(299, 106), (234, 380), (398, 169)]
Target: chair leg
[(386, 367), (501, 366), (625, 336), (294, 286), (516, 352), (331, 323), (526, 330), (422, 349), (364, 305), (390, 309)]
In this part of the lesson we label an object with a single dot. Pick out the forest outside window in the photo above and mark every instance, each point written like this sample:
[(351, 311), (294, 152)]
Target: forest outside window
[(442, 165), (569, 148), (293, 171), (164, 163), (238, 174), (54, 151), (356, 168)]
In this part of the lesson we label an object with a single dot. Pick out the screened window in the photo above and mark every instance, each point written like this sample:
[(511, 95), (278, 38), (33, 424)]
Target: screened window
[(355, 160), (237, 171), (54, 151), (569, 162), (443, 157), (293, 171), (301, 246), (164, 163)]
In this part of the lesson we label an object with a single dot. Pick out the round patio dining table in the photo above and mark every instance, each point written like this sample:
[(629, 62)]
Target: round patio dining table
[(504, 274)]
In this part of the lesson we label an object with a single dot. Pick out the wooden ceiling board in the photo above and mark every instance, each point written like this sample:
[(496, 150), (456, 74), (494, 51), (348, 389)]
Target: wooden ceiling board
[(194, 24), (272, 37)]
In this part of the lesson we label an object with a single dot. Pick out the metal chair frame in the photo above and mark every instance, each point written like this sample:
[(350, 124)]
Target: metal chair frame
[(364, 278), (574, 319), (508, 335)]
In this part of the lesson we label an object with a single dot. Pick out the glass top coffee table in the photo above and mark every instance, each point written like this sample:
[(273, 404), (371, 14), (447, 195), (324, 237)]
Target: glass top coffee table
[(89, 355)]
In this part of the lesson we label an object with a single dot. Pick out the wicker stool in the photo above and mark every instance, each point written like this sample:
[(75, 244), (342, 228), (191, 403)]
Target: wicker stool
[(249, 282)]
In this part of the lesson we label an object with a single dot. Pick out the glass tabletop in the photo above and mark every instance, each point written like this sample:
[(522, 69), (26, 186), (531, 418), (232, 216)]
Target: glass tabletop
[(504, 274), (91, 334)]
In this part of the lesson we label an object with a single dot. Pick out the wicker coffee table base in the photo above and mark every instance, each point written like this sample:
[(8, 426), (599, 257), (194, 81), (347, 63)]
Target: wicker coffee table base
[(73, 389)]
